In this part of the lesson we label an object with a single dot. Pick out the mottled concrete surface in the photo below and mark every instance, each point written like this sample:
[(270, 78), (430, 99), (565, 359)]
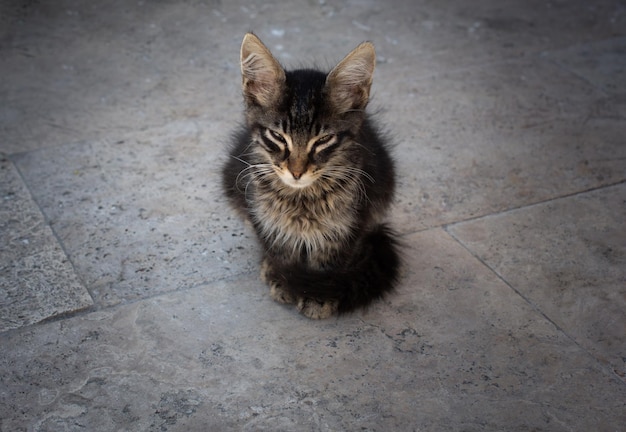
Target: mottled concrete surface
[(36, 278), (129, 292)]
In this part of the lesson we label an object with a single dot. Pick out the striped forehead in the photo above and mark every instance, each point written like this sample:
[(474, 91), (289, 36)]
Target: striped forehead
[(304, 136), (301, 119), (303, 99), (300, 128)]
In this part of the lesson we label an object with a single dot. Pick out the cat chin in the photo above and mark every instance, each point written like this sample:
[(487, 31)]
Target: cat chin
[(297, 184)]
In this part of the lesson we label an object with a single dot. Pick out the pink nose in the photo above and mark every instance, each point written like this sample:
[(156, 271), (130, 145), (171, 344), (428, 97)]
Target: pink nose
[(296, 174)]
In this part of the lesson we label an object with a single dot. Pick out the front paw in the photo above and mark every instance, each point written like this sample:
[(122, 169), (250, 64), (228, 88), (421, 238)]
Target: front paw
[(280, 294), (316, 309)]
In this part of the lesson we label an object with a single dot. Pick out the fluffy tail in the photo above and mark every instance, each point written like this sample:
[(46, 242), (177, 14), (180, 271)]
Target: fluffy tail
[(372, 273)]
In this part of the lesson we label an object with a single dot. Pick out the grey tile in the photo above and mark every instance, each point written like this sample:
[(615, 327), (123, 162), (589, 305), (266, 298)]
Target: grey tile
[(141, 214), (421, 39), (454, 349), (483, 140), (568, 257), (115, 113), (85, 72), (74, 72), (602, 64), (36, 279)]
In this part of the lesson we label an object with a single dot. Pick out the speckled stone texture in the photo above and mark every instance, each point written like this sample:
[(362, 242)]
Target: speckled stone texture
[(129, 292), (37, 280)]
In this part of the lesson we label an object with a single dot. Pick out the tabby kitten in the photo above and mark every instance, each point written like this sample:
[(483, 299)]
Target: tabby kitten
[(314, 177)]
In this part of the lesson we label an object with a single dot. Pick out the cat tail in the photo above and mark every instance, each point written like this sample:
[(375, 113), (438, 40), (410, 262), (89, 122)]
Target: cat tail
[(371, 274)]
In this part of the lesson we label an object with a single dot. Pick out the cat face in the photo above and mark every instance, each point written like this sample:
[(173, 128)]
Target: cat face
[(304, 122), (299, 159)]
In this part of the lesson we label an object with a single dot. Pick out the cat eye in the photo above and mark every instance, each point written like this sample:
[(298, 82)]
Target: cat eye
[(324, 140), (325, 145), (278, 137)]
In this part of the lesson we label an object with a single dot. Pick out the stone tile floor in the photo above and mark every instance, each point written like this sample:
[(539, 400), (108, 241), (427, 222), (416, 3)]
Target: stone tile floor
[(129, 292)]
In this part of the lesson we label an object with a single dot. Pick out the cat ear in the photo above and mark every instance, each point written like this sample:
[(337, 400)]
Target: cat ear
[(263, 77), (349, 82)]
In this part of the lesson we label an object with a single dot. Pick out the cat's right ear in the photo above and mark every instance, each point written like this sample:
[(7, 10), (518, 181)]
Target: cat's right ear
[(263, 77), (350, 81)]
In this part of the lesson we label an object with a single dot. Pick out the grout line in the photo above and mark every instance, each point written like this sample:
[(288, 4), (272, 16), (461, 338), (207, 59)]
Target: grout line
[(112, 308), (546, 57), (55, 235), (499, 276), (535, 307), (555, 63), (96, 305), (530, 205), (447, 225)]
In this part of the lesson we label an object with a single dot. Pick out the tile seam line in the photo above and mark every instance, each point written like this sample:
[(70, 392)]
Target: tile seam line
[(96, 308), (46, 221), (535, 307), (580, 77), (529, 205), (447, 225), (543, 56)]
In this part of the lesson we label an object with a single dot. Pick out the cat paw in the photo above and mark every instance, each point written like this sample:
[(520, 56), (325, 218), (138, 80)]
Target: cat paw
[(277, 292), (280, 295), (315, 309)]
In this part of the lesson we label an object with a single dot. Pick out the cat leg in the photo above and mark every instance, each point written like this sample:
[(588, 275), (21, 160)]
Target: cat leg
[(315, 309), (308, 307), (277, 292)]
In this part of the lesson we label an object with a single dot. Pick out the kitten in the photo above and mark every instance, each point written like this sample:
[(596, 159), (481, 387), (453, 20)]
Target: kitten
[(314, 177)]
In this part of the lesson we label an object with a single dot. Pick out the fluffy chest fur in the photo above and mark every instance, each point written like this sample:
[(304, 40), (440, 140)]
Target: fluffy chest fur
[(311, 225)]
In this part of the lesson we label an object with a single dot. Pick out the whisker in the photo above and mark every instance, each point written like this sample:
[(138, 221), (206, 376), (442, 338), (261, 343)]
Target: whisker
[(251, 172), (350, 174)]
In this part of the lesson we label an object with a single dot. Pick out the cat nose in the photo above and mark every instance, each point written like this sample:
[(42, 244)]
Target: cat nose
[(296, 174)]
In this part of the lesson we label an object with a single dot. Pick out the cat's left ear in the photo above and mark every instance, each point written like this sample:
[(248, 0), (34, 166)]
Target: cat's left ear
[(348, 84), (263, 77)]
